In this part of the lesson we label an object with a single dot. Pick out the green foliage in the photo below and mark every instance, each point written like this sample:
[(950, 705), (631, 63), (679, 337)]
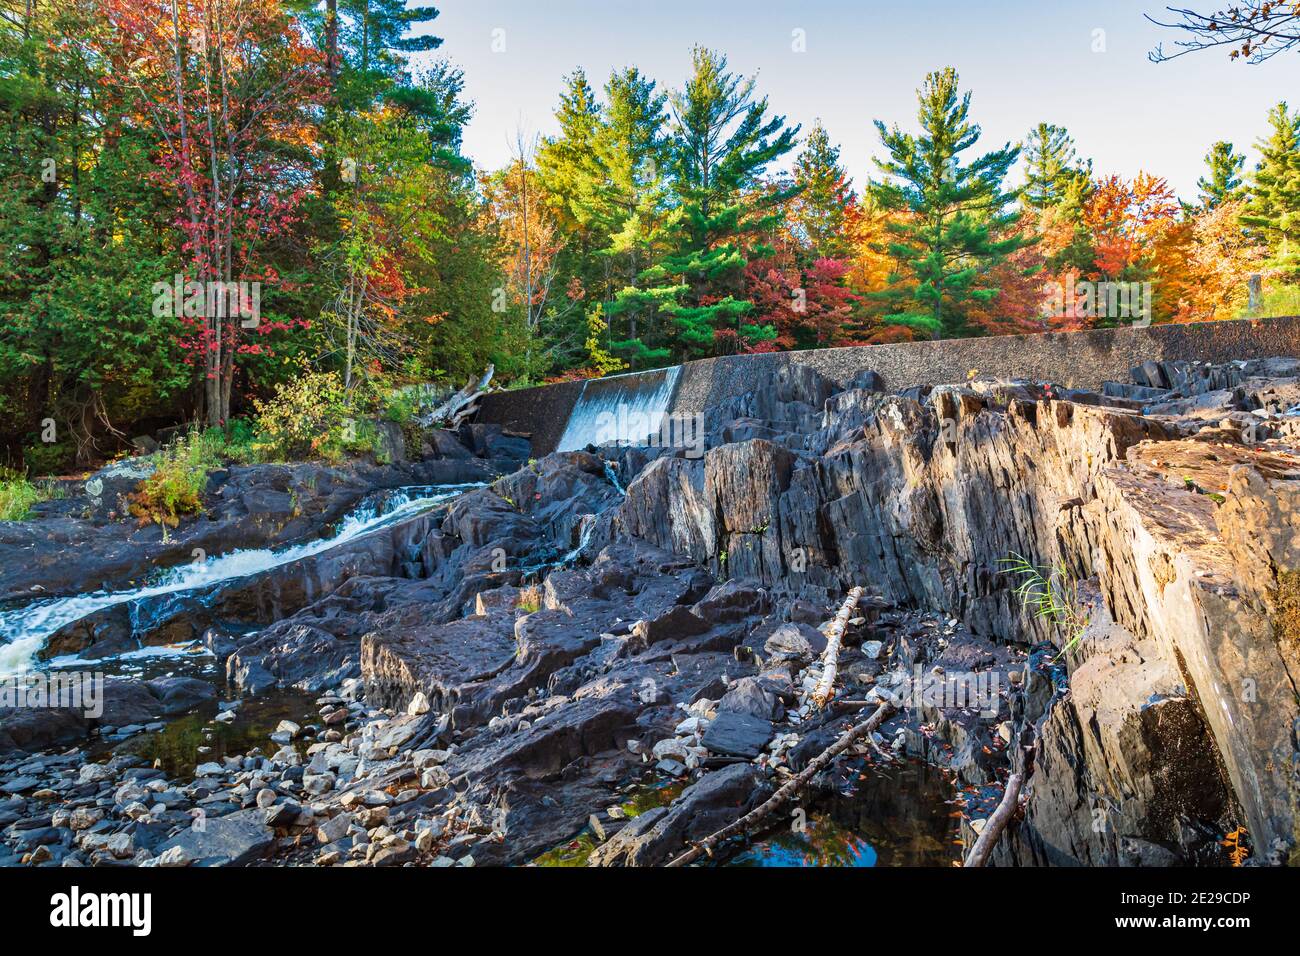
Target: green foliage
[(17, 495), (1277, 301), (1275, 193), (954, 226), (820, 211), (1224, 181), (1052, 169), (311, 416), (722, 141), (175, 489), (1052, 594)]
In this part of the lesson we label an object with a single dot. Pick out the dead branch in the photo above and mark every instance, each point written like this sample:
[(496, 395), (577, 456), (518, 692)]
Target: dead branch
[(831, 656), (789, 789), (995, 824), (461, 405)]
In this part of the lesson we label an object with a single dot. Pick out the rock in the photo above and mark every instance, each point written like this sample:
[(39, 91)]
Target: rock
[(333, 829), (236, 839), (94, 773), (749, 696), (738, 735), (419, 704), (788, 644), (288, 727), (174, 856), (659, 834)]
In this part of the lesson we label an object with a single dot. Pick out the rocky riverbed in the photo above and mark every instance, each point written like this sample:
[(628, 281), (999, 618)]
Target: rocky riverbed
[(617, 648)]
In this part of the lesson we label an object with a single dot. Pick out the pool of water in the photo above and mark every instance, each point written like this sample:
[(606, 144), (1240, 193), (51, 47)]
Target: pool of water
[(904, 815), (196, 738)]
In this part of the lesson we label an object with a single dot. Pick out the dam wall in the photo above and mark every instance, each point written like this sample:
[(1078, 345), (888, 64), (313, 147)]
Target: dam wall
[(1075, 359)]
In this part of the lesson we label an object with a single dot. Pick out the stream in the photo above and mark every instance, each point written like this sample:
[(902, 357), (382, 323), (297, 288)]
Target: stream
[(25, 629)]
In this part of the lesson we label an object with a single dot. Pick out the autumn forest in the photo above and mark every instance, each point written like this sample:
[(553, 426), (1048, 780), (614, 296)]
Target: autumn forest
[(305, 159)]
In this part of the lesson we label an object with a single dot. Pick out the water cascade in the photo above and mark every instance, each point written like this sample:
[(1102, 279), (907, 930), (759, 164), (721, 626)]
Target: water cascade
[(24, 630), (621, 409)]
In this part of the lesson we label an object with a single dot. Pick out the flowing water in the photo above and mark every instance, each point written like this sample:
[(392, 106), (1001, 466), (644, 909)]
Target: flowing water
[(621, 409), (24, 630)]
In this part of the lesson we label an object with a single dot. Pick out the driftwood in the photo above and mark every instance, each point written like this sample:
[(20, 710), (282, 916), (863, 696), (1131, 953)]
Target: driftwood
[(461, 405), (995, 824), (831, 656), (789, 789)]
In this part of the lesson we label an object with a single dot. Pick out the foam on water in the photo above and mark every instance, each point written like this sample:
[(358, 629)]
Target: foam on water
[(25, 630), (621, 409)]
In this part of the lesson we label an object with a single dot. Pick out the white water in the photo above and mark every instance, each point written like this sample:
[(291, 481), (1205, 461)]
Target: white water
[(621, 409), (25, 630)]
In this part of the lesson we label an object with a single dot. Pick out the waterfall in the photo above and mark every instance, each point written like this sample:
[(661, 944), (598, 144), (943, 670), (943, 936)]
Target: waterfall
[(620, 409), (24, 631)]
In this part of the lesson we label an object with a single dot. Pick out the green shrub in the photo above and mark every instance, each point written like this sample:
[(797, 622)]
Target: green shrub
[(49, 459), (176, 486), (17, 495), (309, 417)]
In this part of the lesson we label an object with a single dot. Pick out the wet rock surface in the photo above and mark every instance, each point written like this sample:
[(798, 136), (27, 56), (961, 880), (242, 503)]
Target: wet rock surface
[(491, 677)]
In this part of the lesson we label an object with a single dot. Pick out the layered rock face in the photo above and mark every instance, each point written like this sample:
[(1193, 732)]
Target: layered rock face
[(1175, 497), (605, 614)]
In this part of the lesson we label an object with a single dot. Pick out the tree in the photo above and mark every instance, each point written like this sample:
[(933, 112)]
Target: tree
[(565, 163), (379, 209), (951, 225), (1051, 166), (225, 84), (631, 200), (821, 210), (722, 141), (1274, 211), (530, 241), (1223, 183), (1251, 30), (1221, 255)]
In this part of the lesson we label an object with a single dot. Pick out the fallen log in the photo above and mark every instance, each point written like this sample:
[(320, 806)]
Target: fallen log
[(462, 404), (789, 789), (996, 823), (831, 656)]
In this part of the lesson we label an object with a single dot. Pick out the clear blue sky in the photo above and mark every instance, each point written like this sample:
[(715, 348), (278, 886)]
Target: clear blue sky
[(1024, 60)]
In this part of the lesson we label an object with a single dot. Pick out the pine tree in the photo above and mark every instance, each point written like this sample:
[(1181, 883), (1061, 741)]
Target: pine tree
[(1051, 164), (632, 199), (566, 162), (1224, 181), (823, 206), (951, 225), (722, 141), (1274, 210)]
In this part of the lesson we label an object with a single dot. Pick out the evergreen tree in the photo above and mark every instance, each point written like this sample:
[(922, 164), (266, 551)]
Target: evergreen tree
[(825, 200), (1052, 166), (722, 141), (1224, 181), (1274, 210), (566, 162), (952, 225), (631, 201)]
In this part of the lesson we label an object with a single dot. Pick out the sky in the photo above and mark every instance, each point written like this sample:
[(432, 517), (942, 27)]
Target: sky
[(1081, 64)]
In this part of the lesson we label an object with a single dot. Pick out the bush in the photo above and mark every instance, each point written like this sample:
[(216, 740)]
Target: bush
[(17, 495), (49, 459), (176, 486), (309, 417)]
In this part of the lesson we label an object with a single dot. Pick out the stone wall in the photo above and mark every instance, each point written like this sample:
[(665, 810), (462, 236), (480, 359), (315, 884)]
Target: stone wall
[(1077, 359)]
